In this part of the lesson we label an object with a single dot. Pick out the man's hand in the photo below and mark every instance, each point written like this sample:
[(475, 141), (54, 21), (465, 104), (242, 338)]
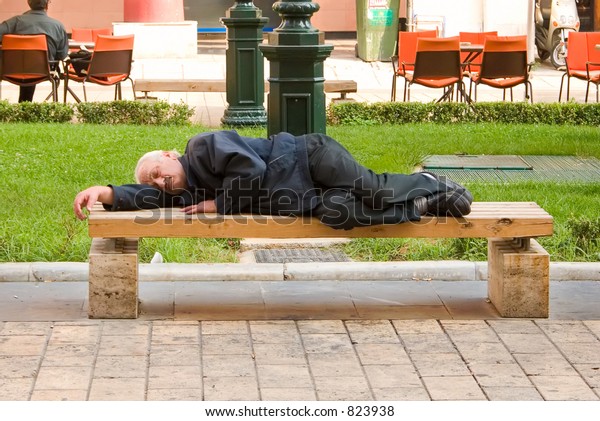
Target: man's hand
[(89, 196), (208, 206)]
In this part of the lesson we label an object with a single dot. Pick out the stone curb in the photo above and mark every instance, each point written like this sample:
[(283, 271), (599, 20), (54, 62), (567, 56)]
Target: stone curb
[(422, 270)]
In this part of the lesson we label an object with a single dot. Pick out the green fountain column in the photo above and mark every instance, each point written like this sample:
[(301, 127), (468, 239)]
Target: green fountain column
[(296, 53), (244, 74)]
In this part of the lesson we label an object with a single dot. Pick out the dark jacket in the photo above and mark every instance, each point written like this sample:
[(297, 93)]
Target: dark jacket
[(242, 174), (36, 22)]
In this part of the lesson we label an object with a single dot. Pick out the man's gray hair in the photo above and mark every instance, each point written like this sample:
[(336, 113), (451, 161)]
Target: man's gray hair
[(38, 4), (152, 156)]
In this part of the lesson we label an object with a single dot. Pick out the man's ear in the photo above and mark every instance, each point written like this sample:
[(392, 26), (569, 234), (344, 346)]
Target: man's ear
[(169, 154)]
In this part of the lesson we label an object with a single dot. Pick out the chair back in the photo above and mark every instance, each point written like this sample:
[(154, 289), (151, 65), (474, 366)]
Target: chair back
[(438, 58), (476, 38), (577, 51), (25, 59), (112, 56), (504, 57), (407, 46), (81, 35), (100, 31), (593, 52)]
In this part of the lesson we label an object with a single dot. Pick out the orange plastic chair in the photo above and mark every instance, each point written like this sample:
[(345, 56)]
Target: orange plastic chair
[(25, 62), (504, 66), (577, 57), (437, 65), (404, 60), (81, 35), (109, 66), (101, 31), (477, 38), (593, 64)]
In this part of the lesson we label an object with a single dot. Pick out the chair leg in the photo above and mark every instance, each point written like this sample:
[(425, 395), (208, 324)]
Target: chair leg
[(562, 79), (587, 91), (393, 94), (405, 89), (132, 88)]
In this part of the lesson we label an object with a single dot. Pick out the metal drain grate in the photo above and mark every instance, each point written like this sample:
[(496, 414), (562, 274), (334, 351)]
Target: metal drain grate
[(568, 169), (482, 162), (303, 255)]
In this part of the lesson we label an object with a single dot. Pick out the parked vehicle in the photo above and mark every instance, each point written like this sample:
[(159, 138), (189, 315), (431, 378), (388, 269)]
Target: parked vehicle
[(554, 19)]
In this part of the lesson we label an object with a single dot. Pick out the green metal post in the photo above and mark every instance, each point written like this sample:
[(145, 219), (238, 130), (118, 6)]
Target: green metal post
[(244, 74), (296, 52)]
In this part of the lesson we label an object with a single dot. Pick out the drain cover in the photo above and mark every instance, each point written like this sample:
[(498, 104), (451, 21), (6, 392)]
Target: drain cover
[(513, 168), (480, 162), (303, 255)]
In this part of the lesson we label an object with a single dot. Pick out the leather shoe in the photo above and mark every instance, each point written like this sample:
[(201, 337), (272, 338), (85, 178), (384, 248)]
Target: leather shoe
[(455, 200)]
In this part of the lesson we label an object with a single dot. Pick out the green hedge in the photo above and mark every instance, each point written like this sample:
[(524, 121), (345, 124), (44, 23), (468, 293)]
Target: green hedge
[(35, 112), (115, 112), (358, 113)]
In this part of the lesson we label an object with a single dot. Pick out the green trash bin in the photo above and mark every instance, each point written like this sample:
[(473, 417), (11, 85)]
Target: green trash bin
[(376, 29)]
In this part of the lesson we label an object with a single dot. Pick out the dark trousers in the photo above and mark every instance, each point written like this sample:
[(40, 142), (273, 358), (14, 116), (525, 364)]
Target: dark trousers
[(353, 195), (26, 93)]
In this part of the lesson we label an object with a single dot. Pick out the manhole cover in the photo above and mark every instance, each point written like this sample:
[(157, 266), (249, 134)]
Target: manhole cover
[(513, 168), (507, 162), (304, 255)]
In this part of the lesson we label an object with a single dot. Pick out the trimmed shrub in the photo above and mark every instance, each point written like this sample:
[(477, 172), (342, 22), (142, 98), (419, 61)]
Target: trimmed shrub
[(115, 112), (358, 113), (35, 112), (134, 112)]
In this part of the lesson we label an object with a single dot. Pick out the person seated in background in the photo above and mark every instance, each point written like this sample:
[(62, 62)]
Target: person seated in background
[(311, 174), (34, 22)]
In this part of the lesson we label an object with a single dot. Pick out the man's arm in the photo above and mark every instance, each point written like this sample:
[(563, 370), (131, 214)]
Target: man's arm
[(87, 198), (128, 197), (207, 206)]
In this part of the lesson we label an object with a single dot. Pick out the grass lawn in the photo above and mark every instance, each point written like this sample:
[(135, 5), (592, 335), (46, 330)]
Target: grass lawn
[(45, 165)]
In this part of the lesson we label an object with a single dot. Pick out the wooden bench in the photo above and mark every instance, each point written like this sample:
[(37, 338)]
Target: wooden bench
[(343, 87), (518, 267)]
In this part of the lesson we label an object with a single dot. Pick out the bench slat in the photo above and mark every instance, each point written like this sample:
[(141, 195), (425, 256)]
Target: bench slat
[(487, 220), (219, 85)]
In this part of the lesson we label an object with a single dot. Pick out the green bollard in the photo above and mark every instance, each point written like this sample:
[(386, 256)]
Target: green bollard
[(244, 74), (296, 52)]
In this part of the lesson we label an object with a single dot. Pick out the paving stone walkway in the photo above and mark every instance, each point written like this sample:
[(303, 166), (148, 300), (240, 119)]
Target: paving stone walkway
[(385, 360)]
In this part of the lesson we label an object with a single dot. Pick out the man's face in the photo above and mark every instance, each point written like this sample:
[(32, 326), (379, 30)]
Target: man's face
[(167, 174)]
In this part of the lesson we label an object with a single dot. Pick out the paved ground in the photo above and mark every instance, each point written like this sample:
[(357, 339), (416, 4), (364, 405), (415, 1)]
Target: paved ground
[(359, 341), (319, 340), (388, 360)]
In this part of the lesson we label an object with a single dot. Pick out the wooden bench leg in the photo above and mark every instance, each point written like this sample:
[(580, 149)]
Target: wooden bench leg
[(113, 279), (518, 277)]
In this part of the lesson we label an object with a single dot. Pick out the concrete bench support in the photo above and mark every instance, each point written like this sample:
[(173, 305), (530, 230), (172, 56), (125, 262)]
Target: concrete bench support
[(113, 279), (518, 277)]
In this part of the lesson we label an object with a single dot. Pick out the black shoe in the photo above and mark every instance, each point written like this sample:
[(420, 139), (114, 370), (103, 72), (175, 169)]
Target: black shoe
[(455, 200)]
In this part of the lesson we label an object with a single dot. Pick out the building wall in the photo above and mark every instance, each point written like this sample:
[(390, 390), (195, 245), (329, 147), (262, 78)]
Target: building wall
[(333, 16), (72, 13)]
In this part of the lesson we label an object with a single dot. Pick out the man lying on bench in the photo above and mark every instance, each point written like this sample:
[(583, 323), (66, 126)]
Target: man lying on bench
[(284, 175)]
